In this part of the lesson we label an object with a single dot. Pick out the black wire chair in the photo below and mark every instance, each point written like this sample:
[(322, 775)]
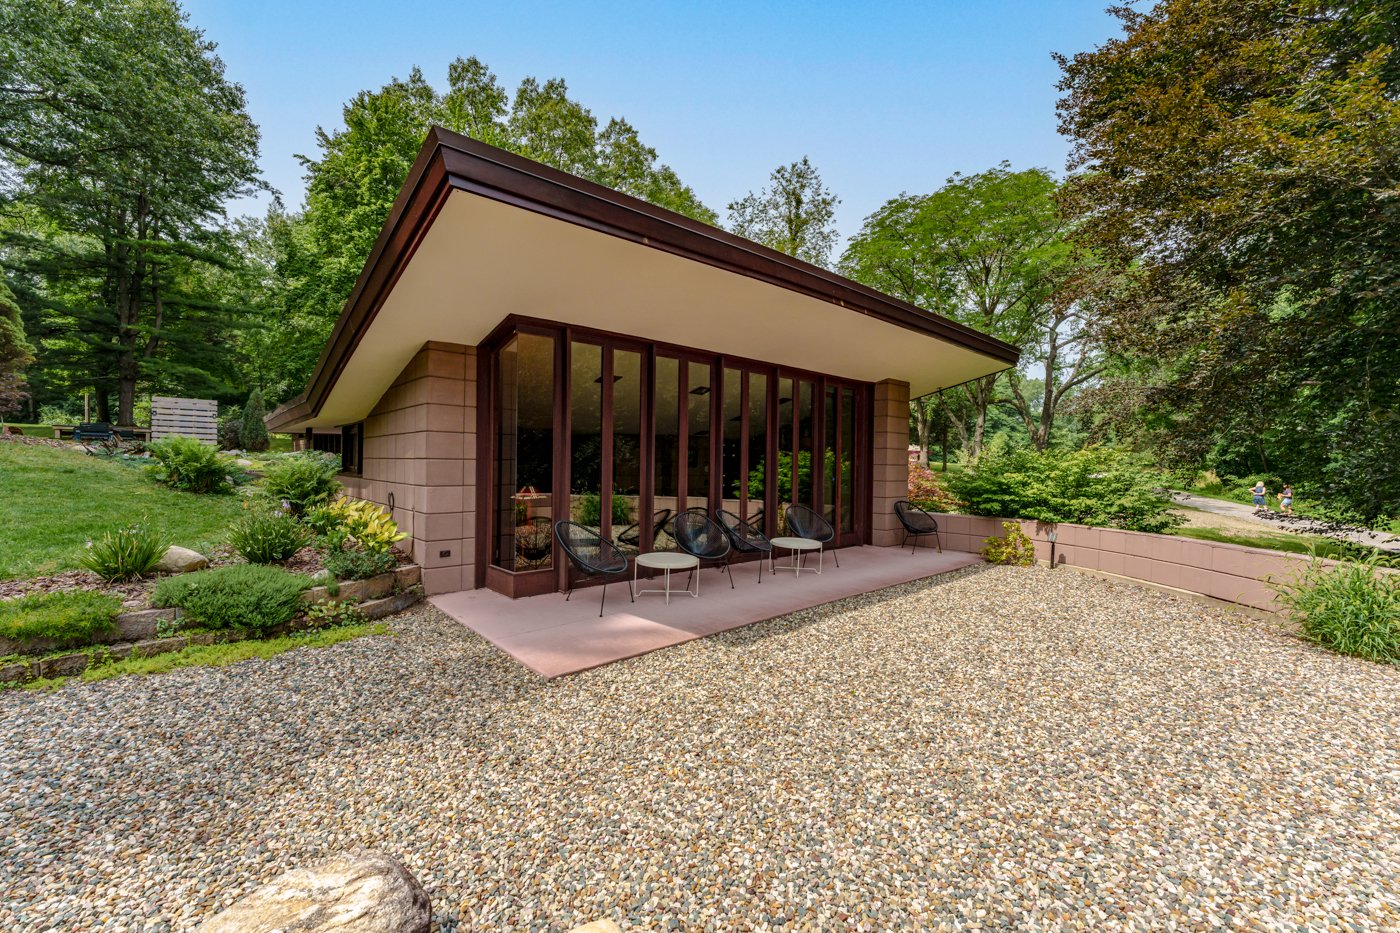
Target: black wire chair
[(745, 538), (532, 541), (632, 534), (591, 555), (805, 523), (701, 538), (917, 524)]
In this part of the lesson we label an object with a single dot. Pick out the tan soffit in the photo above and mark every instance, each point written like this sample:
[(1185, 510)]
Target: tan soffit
[(483, 260)]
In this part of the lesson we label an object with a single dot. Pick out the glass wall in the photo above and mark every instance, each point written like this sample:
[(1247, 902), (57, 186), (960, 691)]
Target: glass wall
[(524, 404), (649, 435)]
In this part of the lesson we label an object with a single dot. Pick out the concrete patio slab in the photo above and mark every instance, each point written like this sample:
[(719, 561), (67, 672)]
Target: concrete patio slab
[(553, 637)]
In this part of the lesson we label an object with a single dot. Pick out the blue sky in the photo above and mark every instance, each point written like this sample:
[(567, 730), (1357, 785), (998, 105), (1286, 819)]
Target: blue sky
[(883, 97)]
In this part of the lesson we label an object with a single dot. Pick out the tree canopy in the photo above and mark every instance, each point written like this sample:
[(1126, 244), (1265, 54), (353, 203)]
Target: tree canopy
[(1242, 157), (793, 215)]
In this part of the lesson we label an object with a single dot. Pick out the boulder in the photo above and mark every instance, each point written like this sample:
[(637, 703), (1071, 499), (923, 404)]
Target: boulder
[(598, 926), (181, 560), (352, 892), (244, 462)]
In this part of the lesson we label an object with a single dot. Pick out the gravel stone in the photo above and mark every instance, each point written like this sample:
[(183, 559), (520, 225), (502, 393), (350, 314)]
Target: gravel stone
[(995, 748)]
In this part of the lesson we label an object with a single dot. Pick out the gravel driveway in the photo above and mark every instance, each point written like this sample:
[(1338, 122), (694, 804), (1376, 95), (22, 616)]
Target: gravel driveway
[(997, 747)]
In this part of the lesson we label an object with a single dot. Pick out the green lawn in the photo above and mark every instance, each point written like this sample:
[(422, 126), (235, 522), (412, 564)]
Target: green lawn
[(54, 501), (33, 430), (1281, 541)]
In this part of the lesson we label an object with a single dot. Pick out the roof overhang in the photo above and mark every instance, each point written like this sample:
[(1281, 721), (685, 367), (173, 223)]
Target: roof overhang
[(479, 234)]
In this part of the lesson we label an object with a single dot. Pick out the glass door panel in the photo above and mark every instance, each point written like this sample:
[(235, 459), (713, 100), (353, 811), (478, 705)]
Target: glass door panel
[(847, 511), (755, 499), (586, 435), (805, 444), (524, 467), (698, 434), (626, 450), (732, 478), (828, 463), (667, 454)]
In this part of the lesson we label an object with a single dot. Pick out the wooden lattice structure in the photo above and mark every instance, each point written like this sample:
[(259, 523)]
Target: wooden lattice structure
[(191, 417)]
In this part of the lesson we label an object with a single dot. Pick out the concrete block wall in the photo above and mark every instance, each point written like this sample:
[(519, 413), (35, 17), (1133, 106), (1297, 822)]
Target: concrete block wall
[(891, 461), (420, 445), (1230, 572)]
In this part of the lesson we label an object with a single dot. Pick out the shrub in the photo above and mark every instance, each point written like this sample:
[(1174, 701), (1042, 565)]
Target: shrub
[(69, 618), (355, 522), (191, 465), (355, 564), (1015, 548), (1350, 607), (237, 596), (588, 510), (331, 614), (230, 429), (266, 537), (1093, 486), (926, 491), (252, 432), (125, 553), (303, 480)]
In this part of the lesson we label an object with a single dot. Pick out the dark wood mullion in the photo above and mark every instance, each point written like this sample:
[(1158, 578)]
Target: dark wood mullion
[(563, 449), (770, 468), (716, 434), (605, 444), (840, 470), (818, 445)]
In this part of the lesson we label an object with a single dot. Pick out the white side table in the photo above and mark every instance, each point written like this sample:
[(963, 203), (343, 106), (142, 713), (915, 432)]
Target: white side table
[(665, 561), (797, 546)]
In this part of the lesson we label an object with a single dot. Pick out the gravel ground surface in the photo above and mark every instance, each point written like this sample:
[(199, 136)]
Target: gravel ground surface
[(996, 748)]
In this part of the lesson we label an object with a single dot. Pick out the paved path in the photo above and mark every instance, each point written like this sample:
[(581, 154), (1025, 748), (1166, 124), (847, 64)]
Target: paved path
[(1273, 522), (998, 748)]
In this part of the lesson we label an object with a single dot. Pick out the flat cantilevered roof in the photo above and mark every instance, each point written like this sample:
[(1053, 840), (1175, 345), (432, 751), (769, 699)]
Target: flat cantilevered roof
[(478, 234)]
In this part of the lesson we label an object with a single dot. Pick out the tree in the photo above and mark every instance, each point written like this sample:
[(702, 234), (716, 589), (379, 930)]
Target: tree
[(358, 169), (1243, 157), (793, 215), (118, 125), (252, 432), (15, 352), (989, 251)]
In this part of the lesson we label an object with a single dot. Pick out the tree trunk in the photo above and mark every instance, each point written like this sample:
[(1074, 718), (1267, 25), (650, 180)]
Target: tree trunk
[(922, 423), (945, 447)]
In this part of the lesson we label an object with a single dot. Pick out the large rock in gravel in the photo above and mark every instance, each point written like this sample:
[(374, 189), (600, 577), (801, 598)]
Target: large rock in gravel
[(181, 560), (353, 892)]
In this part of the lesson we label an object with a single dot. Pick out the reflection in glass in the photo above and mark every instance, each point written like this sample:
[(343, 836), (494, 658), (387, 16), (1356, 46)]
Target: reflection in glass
[(586, 434), (782, 473), (697, 482), (627, 448), (667, 451), (524, 453), (758, 448)]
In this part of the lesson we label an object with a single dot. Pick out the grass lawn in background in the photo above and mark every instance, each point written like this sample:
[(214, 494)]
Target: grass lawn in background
[(54, 501), (33, 430), (1282, 541)]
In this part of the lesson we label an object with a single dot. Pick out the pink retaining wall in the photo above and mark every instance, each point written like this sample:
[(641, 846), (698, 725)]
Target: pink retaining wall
[(1223, 571)]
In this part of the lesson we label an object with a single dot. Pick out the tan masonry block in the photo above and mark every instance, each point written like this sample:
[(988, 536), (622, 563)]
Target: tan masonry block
[(447, 365), (445, 418), (444, 499), (439, 526), (444, 444), (432, 551), (444, 473), (442, 580)]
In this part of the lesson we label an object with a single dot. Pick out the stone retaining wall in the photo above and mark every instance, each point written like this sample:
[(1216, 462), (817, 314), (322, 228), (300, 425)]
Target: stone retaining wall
[(1230, 572)]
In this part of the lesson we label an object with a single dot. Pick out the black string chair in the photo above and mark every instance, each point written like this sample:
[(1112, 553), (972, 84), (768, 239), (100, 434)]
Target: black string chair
[(632, 534), (591, 555), (745, 538), (917, 524), (532, 541), (803, 522), (700, 537)]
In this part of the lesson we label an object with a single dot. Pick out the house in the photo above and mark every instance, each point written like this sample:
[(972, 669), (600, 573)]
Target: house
[(525, 346)]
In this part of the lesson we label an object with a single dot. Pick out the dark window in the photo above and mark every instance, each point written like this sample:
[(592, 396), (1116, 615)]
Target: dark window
[(352, 447)]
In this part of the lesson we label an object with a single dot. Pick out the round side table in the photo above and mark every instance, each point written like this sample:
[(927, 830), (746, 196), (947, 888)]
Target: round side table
[(798, 546), (665, 561)]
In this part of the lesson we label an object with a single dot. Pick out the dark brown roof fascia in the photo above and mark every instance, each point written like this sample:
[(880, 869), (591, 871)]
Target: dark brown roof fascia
[(449, 160)]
